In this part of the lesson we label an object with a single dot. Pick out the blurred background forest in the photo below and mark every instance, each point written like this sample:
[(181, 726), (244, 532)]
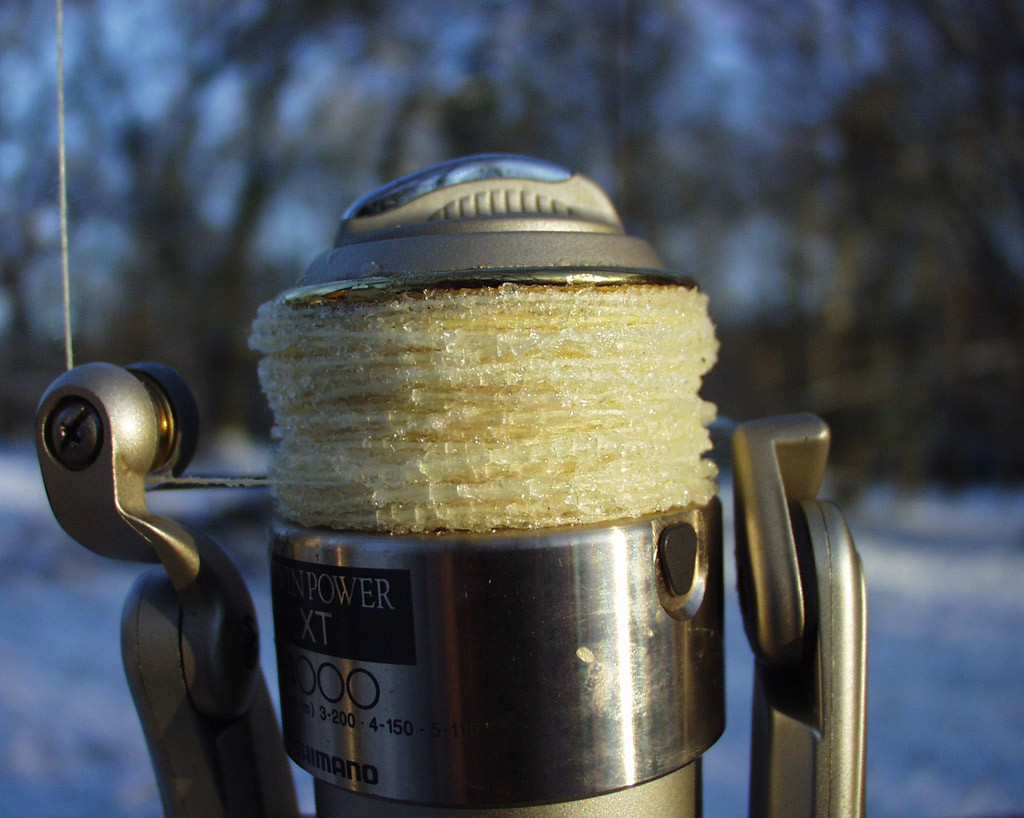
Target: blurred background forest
[(845, 179)]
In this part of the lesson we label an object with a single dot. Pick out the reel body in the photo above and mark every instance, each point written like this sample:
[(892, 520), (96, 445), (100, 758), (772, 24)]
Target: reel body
[(502, 669), (572, 671)]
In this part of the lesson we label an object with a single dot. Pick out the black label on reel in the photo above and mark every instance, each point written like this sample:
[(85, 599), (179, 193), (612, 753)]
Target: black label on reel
[(363, 614)]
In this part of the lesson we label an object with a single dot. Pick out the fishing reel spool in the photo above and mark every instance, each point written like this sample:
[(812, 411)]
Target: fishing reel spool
[(574, 671)]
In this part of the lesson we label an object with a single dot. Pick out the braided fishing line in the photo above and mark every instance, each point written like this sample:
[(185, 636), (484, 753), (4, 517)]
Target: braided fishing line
[(505, 407), (69, 358)]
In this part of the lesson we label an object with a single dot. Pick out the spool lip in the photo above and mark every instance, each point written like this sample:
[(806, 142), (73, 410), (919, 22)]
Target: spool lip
[(493, 539), (378, 286), (462, 254)]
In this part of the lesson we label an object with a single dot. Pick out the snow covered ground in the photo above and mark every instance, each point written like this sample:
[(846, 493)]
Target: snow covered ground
[(946, 712)]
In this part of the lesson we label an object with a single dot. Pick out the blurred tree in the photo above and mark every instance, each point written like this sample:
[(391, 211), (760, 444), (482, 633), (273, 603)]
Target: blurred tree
[(845, 180), (928, 228)]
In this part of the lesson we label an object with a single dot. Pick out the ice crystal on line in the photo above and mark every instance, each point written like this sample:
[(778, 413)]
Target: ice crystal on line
[(472, 410)]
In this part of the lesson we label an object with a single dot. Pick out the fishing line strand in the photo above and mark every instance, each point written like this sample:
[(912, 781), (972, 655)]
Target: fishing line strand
[(164, 482), (721, 430), (69, 359)]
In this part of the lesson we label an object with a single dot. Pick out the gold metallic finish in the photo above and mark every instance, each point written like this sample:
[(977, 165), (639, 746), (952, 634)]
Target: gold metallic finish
[(167, 434), (103, 506), (372, 287)]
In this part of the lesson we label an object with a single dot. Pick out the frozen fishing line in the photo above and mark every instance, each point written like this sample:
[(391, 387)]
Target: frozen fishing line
[(69, 358), (507, 407), (194, 481)]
